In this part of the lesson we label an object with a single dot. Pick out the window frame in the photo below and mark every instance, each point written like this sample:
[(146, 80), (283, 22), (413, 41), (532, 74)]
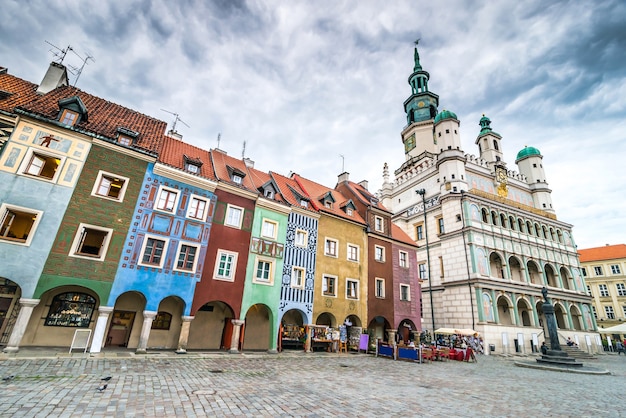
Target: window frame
[(5, 208), (28, 159), (195, 258), (162, 321), (603, 290), (267, 221), (598, 271), (621, 289), (98, 183), (441, 228), (355, 287), (422, 272), (419, 232), (615, 269), (294, 283), (233, 208), (325, 280), (195, 197), (379, 223), (163, 255), (305, 240), (69, 115), (270, 272), (335, 246), (157, 201), (233, 265), (351, 246), (403, 261), (408, 292), (609, 312), (379, 288), (382, 253), (78, 240)]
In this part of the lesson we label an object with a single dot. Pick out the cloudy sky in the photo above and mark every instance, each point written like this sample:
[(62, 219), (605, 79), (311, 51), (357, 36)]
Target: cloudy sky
[(303, 82)]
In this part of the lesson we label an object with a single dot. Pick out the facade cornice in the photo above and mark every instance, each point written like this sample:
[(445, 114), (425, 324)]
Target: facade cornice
[(184, 177), (140, 155), (305, 212), (271, 205), (221, 185)]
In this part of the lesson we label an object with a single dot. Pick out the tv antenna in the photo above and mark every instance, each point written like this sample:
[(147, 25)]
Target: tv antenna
[(58, 53), (219, 136), (343, 160), (243, 151), (176, 120), (76, 70)]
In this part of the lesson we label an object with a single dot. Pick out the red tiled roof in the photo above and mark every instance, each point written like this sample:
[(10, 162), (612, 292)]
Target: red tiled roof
[(104, 117), (21, 92), (287, 187), (259, 178), (173, 153), (365, 196), (608, 252), (221, 161), (316, 191), (399, 235)]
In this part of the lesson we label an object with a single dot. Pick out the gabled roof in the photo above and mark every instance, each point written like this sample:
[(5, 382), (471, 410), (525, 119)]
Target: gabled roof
[(291, 191), (608, 252), (176, 153), (104, 117), (15, 92), (364, 195), (223, 164), (399, 235), (261, 180), (317, 192)]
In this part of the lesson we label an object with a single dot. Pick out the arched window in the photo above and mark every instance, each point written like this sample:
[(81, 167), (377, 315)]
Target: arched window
[(503, 220), (545, 232), (162, 320), (537, 230), (520, 225), (529, 228), (512, 222), (494, 218), (484, 213), (495, 145), (71, 309)]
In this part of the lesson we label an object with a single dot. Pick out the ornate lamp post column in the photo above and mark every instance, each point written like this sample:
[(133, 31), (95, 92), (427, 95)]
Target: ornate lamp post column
[(422, 192)]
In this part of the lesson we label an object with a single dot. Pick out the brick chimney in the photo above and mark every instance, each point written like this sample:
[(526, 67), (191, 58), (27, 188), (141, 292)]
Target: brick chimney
[(56, 76)]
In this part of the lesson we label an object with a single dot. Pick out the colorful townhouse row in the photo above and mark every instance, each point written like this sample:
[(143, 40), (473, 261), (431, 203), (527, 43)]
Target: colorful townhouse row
[(110, 223)]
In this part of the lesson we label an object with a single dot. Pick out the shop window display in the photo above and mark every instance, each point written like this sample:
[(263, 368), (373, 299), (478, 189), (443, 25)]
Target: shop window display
[(71, 310)]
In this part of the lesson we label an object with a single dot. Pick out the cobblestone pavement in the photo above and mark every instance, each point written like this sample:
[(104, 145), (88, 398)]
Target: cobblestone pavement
[(302, 385)]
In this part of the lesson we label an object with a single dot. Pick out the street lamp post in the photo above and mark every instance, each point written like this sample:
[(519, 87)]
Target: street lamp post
[(422, 192)]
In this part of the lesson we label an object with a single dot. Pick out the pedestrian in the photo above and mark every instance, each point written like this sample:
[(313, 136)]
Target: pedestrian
[(620, 347), (544, 348)]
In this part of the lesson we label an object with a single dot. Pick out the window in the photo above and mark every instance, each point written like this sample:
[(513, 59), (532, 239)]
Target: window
[(264, 272), (329, 287), (380, 288), (225, 266), (124, 140), (595, 313), (422, 272), (378, 224), (42, 165), (187, 254), (197, 208), (327, 204), (597, 270), (604, 291), (18, 224), (349, 211), (419, 232), (110, 186), (152, 253), (192, 168), (269, 194), (302, 238), (234, 216), (624, 310), (405, 292), (91, 241), (584, 271), (237, 179), (330, 247), (304, 203), (615, 269), (167, 199), (353, 252), (352, 289), (297, 277), (608, 310), (404, 259), (588, 290), (379, 253), (162, 321), (68, 117), (269, 229), (71, 310), (621, 289), (440, 224)]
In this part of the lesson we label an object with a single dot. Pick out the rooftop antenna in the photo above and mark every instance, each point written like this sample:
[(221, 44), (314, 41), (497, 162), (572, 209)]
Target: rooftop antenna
[(77, 71), (343, 160), (176, 120), (243, 152), (219, 136), (59, 54)]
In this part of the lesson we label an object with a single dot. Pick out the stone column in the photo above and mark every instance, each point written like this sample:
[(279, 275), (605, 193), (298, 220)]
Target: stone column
[(392, 336), (308, 348), (148, 317), (184, 335), (101, 325), (234, 342), (26, 310)]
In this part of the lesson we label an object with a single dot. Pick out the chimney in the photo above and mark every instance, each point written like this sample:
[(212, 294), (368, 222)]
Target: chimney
[(345, 176), (175, 135), (56, 76), (363, 184), (248, 162)]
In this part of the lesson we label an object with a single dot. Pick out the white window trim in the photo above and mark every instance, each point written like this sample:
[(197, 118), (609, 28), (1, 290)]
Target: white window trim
[(96, 186), (143, 249), (336, 285), (4, 207), (357, 296), (216, 270), (408, 292), (29, 155), (206, 210), (269, 221), (76, 242), (336, 255), (383, 253), (358, 252), (228, 208), (270, 281), (377, 220), (306, 238), (406, 258), (376, 280), (293, 277), (195, 261), (176, 200)]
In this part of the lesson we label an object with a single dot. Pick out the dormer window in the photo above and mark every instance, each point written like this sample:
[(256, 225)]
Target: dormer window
[(236, 175), (72, 111), (126, 136), (69, 117), (327, 204), (124, 140), (237, 178), (269, 194), (349, 211), (304, 203), (192, 168)]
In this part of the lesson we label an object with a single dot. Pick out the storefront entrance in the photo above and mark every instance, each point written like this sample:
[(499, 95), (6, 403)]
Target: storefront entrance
[(120, 329)]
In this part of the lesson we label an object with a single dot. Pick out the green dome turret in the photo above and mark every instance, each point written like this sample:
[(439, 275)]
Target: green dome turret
[(445, 114), (527, 152)]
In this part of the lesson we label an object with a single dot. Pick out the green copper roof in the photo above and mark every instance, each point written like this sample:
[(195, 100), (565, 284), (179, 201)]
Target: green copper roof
[(527, 151), (445, 114)]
